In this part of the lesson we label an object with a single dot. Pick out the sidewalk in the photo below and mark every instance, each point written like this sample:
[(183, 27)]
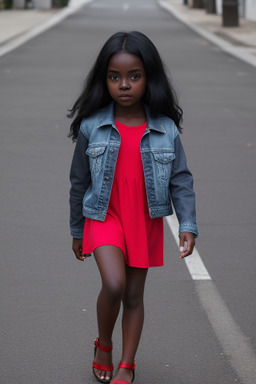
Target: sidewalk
[(238, 41), (18, 26), (15, 22)]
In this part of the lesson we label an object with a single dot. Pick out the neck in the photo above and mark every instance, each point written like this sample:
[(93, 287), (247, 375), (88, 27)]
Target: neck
[(134, 115)]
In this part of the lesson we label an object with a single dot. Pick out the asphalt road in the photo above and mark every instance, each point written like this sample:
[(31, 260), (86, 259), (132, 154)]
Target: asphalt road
[(47, 297)]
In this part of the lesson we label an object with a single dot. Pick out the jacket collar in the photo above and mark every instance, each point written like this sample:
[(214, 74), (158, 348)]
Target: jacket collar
[(106, 117)]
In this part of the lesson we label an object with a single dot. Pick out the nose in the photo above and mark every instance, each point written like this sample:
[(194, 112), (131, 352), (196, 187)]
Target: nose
[(124, 84)]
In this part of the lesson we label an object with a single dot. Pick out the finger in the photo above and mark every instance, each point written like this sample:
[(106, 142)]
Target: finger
[(183, 247), (84, 256), (78, 254), (81, 257), (182, 244), (185, 254), (188, 249)]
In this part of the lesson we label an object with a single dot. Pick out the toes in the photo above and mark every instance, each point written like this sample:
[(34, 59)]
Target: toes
[(99, 374), (102, 375)]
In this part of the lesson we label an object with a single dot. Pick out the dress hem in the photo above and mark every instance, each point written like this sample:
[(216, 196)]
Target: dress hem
[(129, 265)]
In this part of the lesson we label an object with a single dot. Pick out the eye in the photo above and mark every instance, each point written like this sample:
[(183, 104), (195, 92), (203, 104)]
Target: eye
[(113, 77), (136, 77)]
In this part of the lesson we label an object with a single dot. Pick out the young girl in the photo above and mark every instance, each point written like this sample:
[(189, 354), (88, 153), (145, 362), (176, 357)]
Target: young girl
[(128, 166)]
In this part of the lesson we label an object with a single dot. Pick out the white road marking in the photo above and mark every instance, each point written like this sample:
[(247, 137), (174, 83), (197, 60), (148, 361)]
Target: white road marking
[(194, 262), (236, 346)]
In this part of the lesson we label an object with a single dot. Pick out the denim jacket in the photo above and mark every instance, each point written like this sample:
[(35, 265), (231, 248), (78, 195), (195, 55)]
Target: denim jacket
[(167, 178)]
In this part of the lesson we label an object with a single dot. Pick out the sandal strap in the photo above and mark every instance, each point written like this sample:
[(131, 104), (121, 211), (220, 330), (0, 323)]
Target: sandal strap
[(102, 347), (119, 382), (107, 368), (127, 366)]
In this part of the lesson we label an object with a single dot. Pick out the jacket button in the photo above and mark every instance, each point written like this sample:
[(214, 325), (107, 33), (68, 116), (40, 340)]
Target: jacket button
[(153, 213), (111, 150), (165, 159), (106, 178)]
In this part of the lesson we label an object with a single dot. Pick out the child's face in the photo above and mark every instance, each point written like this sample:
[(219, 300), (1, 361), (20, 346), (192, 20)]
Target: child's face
[(126, 79)]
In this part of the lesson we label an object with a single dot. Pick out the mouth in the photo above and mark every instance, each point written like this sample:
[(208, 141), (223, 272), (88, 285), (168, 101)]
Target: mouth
[(124, 97)]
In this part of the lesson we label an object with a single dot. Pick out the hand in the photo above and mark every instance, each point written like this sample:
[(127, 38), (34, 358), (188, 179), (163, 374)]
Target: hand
[(189, 238), (77, 246)]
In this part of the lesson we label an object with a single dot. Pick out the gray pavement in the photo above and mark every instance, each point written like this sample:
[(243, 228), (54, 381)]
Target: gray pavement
[(15, 22), (244, 35), (19, 26), (47, 297), (237, 41)]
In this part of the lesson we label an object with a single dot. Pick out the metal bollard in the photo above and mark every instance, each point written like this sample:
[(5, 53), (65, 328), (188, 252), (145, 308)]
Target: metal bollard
[(230, 13)]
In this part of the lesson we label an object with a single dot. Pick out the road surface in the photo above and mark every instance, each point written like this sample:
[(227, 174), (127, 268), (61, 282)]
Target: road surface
[(196, 331)]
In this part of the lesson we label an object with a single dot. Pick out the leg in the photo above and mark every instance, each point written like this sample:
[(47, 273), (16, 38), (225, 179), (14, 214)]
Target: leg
[(133, 317), (110, 261)]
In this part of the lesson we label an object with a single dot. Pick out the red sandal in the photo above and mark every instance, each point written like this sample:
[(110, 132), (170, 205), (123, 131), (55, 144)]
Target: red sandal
[(101, 367), (127, 366)]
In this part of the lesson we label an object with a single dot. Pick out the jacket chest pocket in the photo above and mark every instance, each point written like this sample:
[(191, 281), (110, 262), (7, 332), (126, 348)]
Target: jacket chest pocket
[(96, 155), (163, 162)]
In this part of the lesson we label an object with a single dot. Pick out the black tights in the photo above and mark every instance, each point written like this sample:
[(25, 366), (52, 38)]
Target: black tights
[(120, 283)]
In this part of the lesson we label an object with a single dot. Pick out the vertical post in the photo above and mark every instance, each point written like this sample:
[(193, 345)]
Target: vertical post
[(230, 13), (198, 4), (210, 6)]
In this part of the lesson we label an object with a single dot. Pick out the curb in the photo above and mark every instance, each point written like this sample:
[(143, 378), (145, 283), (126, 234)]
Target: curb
[(238, 52), (54, 20)]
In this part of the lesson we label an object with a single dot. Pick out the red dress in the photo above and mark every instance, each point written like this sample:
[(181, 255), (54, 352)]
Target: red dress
[(128, 224)]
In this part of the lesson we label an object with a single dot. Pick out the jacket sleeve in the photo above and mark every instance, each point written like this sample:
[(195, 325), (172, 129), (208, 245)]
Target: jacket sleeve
[(80, 179), (181, 189)]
